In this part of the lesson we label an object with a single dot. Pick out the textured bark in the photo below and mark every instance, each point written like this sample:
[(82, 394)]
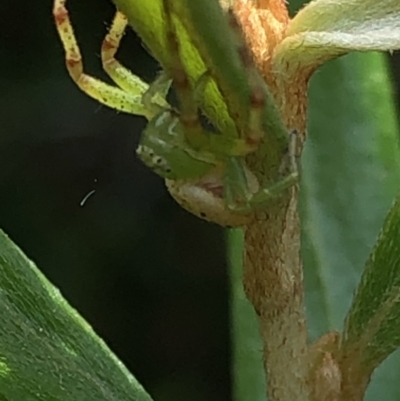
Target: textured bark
[(273, 283)]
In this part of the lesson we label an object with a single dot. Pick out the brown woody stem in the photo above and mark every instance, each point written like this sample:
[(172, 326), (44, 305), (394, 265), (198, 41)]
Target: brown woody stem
[(273, 282)]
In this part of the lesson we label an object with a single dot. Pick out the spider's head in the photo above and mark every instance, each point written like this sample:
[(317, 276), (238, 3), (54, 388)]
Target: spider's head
[(163, 149), (204, 198)]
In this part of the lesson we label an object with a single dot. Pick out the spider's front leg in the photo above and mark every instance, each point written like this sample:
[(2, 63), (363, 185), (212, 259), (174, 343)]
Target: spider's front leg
[(127, 97), (241, 198), (240, 192)]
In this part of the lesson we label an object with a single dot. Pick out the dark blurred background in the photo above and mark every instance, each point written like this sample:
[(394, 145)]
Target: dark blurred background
[(149, 277)]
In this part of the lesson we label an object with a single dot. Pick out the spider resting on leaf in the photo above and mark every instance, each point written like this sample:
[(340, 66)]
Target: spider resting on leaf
[(204, 171)]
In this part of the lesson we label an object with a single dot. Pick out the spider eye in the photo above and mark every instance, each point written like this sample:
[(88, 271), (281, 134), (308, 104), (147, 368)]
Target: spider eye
[(152, 159), (162, 167)]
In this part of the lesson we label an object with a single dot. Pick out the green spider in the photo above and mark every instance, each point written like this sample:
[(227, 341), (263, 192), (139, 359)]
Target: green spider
[(204, 171)]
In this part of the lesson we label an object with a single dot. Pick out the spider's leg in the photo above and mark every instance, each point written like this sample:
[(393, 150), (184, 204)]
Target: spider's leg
[(264, 195), (254, 131), (200, 86), (194, 132), (157, 92), (293, 152), (242, 190), (225, 145), (239, 183), (118, 73), (269, 192), (154, 96), (106, 94)]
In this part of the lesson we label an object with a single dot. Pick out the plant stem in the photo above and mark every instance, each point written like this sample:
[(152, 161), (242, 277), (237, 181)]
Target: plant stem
[(273, 282)]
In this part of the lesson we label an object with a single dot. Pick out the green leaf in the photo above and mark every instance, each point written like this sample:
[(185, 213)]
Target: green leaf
[(350, 177), (47, 351), (372, 329)]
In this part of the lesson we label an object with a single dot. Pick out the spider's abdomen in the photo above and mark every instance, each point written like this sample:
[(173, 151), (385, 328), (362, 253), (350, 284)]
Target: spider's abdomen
[(205, 199)]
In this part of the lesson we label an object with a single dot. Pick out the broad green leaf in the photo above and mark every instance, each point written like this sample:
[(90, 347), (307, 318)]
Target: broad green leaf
[(47, 351), (350, 176), (372, 329), (247, 368)]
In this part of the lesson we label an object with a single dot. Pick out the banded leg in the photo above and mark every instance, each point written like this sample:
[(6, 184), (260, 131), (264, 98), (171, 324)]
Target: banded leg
[(194, 132), (111, 96), (254, 132), (153, 98)]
